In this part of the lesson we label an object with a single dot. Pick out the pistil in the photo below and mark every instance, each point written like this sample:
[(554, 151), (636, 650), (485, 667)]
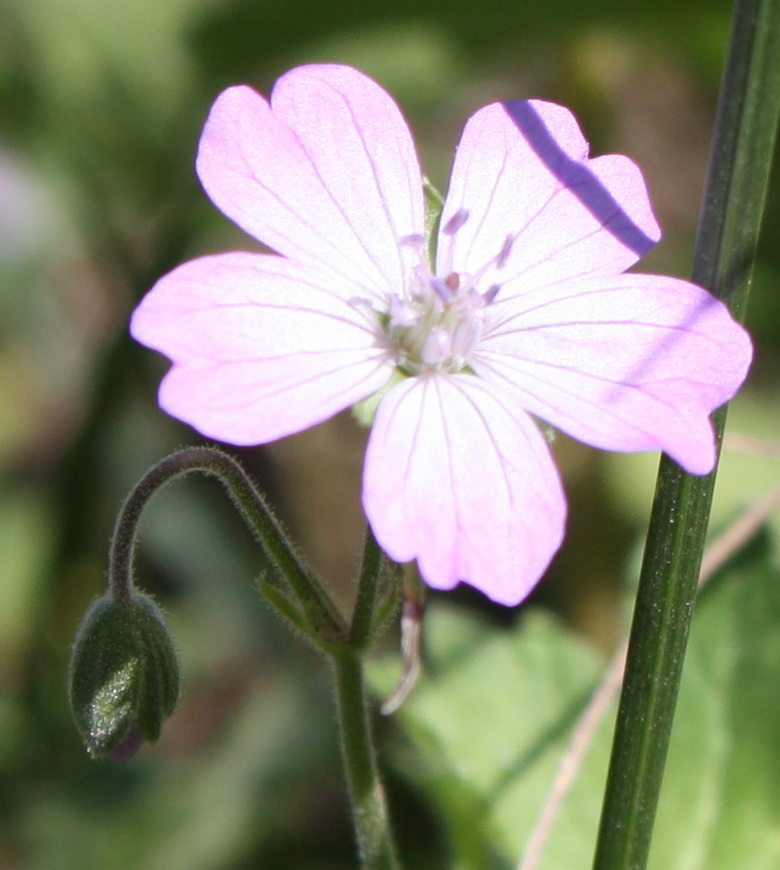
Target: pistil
[(440, 320)]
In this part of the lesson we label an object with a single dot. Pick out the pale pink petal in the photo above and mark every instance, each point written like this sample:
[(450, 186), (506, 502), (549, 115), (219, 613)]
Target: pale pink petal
[(522, 173), (261, 348), (633, 362), (462, 480), (327, 174)]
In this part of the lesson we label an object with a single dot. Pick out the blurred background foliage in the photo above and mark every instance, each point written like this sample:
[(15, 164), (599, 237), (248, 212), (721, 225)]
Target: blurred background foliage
[(101, 105)]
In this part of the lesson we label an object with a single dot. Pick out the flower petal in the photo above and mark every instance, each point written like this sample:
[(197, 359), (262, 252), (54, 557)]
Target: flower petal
[(522, 173), (463, 481), (634, 362), (260, 347), (327, 174)]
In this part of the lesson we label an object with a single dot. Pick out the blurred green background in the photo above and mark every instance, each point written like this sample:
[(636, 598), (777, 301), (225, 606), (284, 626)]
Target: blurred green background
[(101, 105)]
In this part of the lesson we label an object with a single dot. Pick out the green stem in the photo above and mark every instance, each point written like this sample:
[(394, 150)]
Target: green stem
[(323, 623), (746, 128), (323, 616), (363, 616), (369, 809)]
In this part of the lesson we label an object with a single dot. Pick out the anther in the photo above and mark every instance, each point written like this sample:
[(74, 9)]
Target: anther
[(505, 251), (490, 294), (414, 241), (456, 222), (443, 289)]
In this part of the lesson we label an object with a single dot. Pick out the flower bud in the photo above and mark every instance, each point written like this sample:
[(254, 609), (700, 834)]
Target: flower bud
[(124, 676)]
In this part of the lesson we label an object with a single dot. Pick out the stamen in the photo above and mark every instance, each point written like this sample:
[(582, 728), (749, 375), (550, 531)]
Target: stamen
[(503, 254), (456, 222), (438, 321), (414, 241), (443, 289), (490, 294)]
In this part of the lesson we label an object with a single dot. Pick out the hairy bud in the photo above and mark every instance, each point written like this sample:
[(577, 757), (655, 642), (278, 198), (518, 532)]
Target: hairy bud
[(124, 676)]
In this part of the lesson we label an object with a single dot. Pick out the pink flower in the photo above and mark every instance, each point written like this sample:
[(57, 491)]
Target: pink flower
[(529, 311)]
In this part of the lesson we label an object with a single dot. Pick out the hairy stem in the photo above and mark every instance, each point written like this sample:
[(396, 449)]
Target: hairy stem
[(369, 808), (323, 616)]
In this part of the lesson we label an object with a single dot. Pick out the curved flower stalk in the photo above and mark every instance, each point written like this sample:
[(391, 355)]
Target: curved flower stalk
[(526, 312)]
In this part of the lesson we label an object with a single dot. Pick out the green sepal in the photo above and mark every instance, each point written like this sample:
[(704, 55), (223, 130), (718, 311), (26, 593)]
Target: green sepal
[(434, 205), (364, 411), (284, 605), (124, 674)]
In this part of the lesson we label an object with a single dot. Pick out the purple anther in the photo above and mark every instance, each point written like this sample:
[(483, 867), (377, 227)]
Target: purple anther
[(490, 294), (453, 281), (456, 222), (443, 289), (414, 241), (503, 254)]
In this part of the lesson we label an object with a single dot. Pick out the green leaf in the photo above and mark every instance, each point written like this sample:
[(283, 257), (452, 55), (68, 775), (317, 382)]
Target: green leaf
[(490, 716), (495, 709), (719, 804)]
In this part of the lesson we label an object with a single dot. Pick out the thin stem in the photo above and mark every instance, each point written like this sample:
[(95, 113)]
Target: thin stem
[(369, 808), (370, 817), (742, 151), (365, 600), (323, 616)]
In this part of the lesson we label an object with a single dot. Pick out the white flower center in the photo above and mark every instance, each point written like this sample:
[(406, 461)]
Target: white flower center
[(439, 322)]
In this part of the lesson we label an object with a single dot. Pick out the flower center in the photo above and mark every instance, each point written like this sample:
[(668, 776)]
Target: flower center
[(438, 322)]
